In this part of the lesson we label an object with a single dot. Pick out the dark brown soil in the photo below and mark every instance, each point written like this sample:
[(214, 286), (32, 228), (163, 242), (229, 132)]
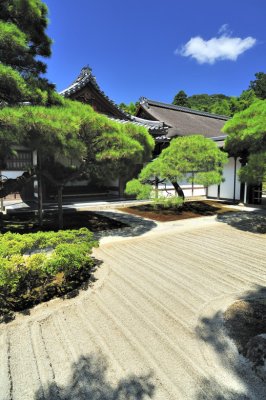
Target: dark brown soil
[(191, 209), (27, 222), (245, 319)]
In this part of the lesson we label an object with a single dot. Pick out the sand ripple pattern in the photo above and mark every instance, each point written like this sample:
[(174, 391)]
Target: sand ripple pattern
[(151, 329)]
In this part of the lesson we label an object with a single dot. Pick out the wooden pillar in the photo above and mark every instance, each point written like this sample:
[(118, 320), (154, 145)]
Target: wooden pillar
[(192, 185), (243, 188), (234, 196)]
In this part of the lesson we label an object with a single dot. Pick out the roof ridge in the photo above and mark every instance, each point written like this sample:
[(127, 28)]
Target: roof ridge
[(144, 101), (83, 78), (142, 122)]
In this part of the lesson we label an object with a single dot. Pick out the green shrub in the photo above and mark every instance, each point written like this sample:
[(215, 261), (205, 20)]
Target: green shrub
[(167, 202), (26, 278)]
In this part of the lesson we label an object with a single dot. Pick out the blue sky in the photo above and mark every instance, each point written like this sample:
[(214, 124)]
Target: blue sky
[(154, 48)]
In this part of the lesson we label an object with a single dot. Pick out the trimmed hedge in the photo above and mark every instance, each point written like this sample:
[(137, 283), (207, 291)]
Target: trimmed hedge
[(38, 266)]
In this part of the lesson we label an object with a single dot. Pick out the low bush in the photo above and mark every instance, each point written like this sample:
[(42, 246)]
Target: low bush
[(163, 202), (35, 267)]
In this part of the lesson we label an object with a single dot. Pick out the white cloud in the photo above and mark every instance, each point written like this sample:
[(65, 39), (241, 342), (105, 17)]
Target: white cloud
[(223, 47), (225, 29)]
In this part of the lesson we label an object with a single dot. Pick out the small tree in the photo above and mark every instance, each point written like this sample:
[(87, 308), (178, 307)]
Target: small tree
[(247, 138), (259, 85), (130, 108), (193, 155), (181, 99)]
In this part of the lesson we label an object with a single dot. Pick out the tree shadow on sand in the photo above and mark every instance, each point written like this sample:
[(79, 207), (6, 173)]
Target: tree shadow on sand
[(215, 333), (249, 221), (137, 226), (88, 381)]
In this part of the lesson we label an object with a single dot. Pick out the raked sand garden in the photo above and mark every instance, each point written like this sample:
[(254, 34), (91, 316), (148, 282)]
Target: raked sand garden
[(150, 326)]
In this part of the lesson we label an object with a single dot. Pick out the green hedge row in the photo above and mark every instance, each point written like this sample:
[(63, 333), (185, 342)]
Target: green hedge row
[(35, 267)]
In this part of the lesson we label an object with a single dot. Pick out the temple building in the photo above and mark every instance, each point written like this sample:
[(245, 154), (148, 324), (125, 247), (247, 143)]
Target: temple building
[(164, 122)]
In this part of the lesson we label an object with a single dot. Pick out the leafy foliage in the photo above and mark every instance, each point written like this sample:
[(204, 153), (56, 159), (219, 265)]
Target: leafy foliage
[(130, 108), (13, 87), (172, 202), (185, 155), (221, 104), (208, 103), (181, 99), (259, 85), (141, 190), (75, 135), (255, 170), (247, 130), (247, 137), (23, 42), (31, 264)]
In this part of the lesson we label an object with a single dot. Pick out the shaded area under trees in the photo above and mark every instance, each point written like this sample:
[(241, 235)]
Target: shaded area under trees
[(212, 331), (89, 380)]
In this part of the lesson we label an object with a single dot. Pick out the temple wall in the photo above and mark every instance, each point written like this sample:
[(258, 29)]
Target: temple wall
[(230, 188)]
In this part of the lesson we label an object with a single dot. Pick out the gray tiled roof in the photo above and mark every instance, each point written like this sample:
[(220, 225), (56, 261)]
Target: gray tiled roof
[(184, 121), (82, 80), (151, 125), (86, 77)]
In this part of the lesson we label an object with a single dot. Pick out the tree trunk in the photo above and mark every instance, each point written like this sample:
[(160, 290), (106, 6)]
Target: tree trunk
[(178, 190), (40, 194), (156, 187), (192, 184), (40, 201), (60, 206)]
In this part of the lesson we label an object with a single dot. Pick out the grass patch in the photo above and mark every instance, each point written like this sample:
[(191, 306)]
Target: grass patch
[(38, 266)]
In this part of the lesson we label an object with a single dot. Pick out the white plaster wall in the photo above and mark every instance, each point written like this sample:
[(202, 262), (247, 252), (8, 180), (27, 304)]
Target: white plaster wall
[(213, 191), (227, 187), (198, 190), (168, 189), (34, 157), (12, 174)]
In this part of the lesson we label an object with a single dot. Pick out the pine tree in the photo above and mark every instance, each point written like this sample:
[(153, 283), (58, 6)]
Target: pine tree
[(259, 85), (247, 138), (23, 42), (191, 155), (181, 99)]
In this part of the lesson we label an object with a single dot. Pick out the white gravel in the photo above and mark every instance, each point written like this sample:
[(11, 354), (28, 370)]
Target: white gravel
[(150, 328)]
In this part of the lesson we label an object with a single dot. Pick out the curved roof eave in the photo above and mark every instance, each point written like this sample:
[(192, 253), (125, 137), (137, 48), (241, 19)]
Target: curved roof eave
[(82, 80)]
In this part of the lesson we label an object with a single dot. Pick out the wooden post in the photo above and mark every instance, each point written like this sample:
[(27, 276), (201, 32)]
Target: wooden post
[(192, 186), (234, 197)]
